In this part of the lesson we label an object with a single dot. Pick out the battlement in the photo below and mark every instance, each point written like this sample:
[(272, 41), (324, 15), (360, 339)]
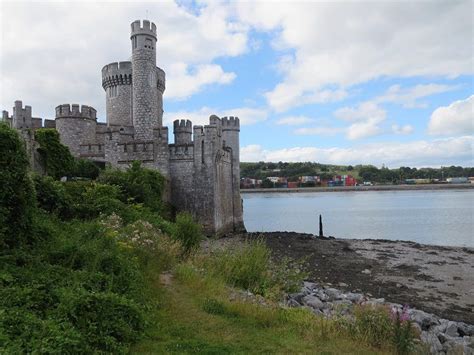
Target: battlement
[(182, 126), (117, 73), (73, 111), (147, 28), (230, 123)]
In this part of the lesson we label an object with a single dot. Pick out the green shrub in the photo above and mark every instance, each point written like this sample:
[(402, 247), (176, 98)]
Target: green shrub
[(85, 168), (137, 185), (187, 232), (108, 321), (56, 157), (52, 196), (17, 194)]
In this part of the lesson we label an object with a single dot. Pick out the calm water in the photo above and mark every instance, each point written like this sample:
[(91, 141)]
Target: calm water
[(431, 217)]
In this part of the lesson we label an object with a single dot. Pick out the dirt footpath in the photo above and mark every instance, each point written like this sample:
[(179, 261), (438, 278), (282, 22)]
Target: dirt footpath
[(435, 279)]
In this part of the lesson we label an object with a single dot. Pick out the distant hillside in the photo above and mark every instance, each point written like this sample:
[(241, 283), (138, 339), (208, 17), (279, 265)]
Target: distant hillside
[(292, 171)]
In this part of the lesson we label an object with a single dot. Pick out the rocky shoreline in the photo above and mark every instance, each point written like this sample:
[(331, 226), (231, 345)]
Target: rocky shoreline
[(435, 282), (435, 279), (440, 335)]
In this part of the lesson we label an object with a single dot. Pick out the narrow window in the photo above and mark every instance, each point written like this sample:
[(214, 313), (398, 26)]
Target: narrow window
[(202, 152)]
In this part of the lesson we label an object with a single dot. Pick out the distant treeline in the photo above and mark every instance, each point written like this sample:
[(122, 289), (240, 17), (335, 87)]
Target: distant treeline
[(292, 171)]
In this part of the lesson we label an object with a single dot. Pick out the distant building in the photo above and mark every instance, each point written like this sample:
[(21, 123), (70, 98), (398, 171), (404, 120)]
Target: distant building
[(458, 180)]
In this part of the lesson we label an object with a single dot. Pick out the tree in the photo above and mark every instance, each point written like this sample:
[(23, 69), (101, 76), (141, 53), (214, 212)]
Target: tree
[(17, 194)]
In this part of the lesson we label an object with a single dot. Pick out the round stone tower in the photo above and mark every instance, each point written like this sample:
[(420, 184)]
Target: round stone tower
[(117, 83), (147, 81), (76, 126)]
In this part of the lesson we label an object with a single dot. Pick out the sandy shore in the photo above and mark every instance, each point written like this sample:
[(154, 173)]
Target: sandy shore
[(435, 279), (364, 188)]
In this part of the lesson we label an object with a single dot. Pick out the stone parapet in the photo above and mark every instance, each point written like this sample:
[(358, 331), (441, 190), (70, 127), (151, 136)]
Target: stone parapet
[(76, 111)]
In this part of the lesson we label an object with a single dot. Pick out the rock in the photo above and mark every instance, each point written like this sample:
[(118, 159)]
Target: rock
[(296, 296), (432, 341), (308, 287), (366, 271), (322, 295), (465, 329), (425, 320), (313, 301), (333, 294), (293, 303), (443, 338), (342, 284), (452, 329), (354, 297)]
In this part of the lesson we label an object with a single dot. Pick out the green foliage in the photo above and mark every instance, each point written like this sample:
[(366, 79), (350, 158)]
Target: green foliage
[(107, 320), (17, 195), (262, 170), (250, 267), (137, 185), (85, 169), (404, 335), (77, 289), (187, 232), (52, 197), (373, 324), (56, 157)]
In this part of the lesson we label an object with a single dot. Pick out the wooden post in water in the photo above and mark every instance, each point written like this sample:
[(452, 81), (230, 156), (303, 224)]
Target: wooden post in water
[(321, 226)]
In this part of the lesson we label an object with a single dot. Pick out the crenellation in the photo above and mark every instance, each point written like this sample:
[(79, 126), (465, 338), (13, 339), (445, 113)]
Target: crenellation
[(230, 123), (201, 168), (76, 111)]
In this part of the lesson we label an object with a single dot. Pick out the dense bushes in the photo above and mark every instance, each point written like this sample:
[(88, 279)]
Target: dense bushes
[(138, 185), (17, 195), (56, 157)]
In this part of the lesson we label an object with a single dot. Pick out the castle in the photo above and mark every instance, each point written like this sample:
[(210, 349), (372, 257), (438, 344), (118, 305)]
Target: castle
[(201, 167)]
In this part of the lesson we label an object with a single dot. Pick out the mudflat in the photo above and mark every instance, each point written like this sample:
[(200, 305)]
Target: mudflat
[(435, 279)]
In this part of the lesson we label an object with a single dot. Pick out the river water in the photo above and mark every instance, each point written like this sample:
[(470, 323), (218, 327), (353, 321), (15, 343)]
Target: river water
[(443, 217)]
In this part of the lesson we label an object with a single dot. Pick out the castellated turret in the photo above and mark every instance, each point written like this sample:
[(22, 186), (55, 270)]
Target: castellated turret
[(117, 83), (147, 80), (183, 131), (76, 126)]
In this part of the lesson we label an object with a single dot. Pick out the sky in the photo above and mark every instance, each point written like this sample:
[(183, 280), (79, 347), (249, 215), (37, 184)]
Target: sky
[(342, 82)]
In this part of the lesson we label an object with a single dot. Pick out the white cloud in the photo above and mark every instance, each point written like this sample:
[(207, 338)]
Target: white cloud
[(405, 129), (246, 115), (408, 97), (416, 153), (455, 119), (294, 120), (185, 84), (366, 118), (53, 52), (318, 131), (338, 44)]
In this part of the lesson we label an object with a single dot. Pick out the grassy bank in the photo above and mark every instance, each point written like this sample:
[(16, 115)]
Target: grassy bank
[(102, 265)]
